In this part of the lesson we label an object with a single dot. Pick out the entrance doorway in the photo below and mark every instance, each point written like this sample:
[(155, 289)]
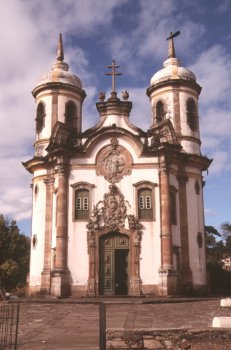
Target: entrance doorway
[(113, 264)]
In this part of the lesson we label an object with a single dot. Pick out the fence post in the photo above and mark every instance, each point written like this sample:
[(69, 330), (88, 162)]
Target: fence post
[(102, 326)]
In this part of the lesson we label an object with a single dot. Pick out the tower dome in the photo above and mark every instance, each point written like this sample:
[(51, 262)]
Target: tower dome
[(59, 71), (172, 70)]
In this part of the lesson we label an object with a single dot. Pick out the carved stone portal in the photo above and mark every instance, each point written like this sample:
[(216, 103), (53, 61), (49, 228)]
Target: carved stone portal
[(114, 162), (110, 215)]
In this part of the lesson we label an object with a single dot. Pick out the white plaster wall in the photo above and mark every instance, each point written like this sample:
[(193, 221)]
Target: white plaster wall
[(188, 146), (150, 244), (38, 228), (195, 222)]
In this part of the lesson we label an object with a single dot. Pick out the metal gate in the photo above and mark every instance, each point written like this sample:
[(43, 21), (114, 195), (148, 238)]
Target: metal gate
[(9, 318)]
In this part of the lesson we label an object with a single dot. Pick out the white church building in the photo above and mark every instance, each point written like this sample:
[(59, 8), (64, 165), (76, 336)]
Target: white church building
[(117, 210)]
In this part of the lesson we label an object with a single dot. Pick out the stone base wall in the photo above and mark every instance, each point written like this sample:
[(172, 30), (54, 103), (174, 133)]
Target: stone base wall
[(174, 339), (78, 291), (150, 290)]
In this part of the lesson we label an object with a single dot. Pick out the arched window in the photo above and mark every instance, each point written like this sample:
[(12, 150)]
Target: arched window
[(70, 114), (191, 114), (82, 200), (160, 113), (145, 205), (40, 115), (82, 204)]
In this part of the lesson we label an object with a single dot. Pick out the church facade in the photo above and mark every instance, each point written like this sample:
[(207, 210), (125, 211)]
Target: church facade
[(117, 210)]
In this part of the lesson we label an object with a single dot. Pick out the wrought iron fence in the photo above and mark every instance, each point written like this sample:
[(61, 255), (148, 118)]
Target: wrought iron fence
[(9, 318)]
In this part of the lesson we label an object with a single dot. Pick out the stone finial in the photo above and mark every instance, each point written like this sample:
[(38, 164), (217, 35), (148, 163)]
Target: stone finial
[(102, 96), (60, 52), (125, 95)]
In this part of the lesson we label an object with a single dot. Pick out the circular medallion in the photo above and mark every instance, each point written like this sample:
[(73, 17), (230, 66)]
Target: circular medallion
[(114, 162)]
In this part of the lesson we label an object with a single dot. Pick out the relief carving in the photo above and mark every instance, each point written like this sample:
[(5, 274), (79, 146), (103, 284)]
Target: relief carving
[(114, 162), (111, 213)]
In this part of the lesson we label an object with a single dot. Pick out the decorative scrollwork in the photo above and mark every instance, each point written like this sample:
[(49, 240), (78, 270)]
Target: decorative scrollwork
[(111, 214)]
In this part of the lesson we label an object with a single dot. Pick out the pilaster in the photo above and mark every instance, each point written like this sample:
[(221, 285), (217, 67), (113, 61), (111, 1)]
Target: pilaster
[(61, 275), (46, 273), (167, 273), (186, 273)]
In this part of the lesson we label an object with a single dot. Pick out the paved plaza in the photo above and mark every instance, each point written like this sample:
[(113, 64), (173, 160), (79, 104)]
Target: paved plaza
[(74, 324)]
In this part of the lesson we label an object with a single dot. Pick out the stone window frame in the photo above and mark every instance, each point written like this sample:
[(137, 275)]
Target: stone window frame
[(73, 119), (40, 116), (142, 185), (82, 185), (192, 114), (160, 118), (173, 208)]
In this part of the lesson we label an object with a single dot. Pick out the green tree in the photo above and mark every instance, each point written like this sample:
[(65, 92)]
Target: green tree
[(217, 250), (14, 255)]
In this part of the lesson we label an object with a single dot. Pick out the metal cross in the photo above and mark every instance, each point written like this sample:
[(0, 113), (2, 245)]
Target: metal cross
[(113, 73), (171, 48)]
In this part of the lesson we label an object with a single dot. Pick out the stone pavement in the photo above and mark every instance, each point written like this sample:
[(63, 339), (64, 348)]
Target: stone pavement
[(74, 324)]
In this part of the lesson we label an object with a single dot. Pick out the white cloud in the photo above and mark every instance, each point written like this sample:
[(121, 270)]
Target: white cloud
[(210, 212), (220, 162), (213, 71)]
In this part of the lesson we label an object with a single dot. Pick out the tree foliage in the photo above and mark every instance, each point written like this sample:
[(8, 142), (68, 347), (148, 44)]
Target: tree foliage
[(218, 248), (14, 255)]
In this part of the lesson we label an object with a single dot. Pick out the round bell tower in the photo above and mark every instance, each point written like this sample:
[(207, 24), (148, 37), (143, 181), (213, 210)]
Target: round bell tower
[(59, 97), (174, 95)]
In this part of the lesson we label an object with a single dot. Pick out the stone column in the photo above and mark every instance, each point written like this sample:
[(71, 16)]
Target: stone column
[(168, 276), (186, 273), (61, 274), (135, 282), (92, 289), (46, 273)]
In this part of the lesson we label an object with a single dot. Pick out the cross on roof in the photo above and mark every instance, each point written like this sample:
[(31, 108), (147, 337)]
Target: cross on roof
[(113, 73)]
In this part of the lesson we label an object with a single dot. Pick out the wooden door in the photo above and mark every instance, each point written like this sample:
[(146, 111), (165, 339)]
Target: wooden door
[(113, 264)]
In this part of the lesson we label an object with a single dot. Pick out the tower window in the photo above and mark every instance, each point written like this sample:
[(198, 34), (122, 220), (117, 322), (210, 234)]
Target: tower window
[(160, 114), (191, 114), (70, 114), (40, 115), (145, 204), (81, 204)]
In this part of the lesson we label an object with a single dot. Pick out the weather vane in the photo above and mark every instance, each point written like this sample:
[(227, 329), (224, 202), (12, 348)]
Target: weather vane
[(113, 73), (171, 49)]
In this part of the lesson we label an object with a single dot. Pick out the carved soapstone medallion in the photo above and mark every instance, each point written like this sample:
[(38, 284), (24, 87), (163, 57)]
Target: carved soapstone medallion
[(114, 162)]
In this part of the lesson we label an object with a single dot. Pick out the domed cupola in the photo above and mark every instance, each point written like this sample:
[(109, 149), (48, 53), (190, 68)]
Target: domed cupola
[(174, 94), (59, 97), (59, 72)]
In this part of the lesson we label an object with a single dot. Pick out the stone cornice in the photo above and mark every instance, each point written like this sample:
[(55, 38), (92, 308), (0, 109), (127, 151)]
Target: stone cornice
[(58, 86), (175, 83), (37, 163)]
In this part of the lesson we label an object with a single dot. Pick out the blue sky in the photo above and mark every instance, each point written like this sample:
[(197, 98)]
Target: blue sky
[(133, 32)]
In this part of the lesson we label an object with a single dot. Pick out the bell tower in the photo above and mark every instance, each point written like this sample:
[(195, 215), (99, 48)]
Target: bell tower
[(174, 95), (59, 97)]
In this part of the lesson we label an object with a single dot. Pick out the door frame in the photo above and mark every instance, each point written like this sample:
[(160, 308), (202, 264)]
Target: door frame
[(113, 248), (134, 287)]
